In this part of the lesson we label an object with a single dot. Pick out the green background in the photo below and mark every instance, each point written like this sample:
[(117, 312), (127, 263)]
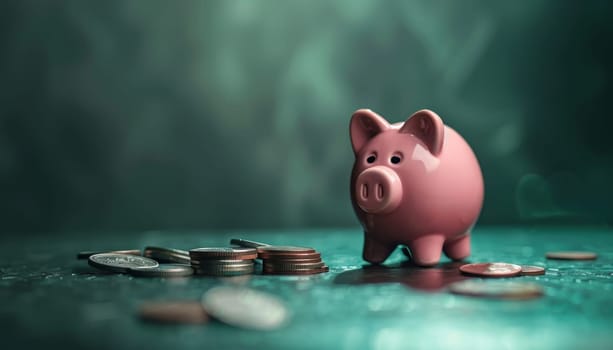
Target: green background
[(234, 114)]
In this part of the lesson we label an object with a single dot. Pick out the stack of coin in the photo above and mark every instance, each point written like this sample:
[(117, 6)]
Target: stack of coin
[(167, 255), (223, 261), (288, 260)]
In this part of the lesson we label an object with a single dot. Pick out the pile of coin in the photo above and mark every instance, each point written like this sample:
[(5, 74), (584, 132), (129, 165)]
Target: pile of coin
[(286, 260), (223, 261)]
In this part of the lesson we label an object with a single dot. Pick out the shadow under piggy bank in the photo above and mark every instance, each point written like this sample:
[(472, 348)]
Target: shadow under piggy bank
[(430, 279)]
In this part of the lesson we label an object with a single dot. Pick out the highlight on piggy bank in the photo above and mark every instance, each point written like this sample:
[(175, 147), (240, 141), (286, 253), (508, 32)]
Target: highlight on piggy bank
[(416, 183)]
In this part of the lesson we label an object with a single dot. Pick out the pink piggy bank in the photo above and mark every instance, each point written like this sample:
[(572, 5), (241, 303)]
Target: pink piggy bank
[(416, 183)]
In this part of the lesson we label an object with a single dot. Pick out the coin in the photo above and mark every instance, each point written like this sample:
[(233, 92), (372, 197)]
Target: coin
[(297, 271), (245, 308), (571, 255), (289, 266), (223, 253), (287, 255), (121, 263), (284, 249), (174, 312), (167, 255), (491, 269), (86, 254), (497, 289), (247, 243), (163, 270), (224, 270), (528, 270), (222, 262)]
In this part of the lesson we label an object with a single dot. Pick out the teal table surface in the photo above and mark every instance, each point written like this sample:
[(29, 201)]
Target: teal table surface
[(49, 299)]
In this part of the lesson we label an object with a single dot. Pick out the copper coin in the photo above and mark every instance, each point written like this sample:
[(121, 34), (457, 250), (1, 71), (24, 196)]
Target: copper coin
[(528, 270), (284, 249), (491, 269), (291, 260), (287, 266), (174, 312), (220, 253), (289, 255), (497, 289), (298, 271), (571, 255), (86, 254)]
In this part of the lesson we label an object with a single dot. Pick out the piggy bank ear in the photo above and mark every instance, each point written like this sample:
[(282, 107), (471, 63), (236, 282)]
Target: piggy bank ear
[(428, 127), (365, 124)]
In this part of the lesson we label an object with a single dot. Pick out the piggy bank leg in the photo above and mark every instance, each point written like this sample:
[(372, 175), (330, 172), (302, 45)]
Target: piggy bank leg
[(426, 250), (458, 248), (376, 252)]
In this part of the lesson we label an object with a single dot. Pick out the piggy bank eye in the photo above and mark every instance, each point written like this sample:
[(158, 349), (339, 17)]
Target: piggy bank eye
[(371, 159), (395, 159)]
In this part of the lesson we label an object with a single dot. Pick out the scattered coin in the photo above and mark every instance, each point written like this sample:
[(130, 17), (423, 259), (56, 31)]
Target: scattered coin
[(497, 289), (571, 255), (529, 270), (217, 253), (163, 270), (121, 263), (247, 243), (245, 308), (86, 254), (174, 312), (167, 255), (491, 269)]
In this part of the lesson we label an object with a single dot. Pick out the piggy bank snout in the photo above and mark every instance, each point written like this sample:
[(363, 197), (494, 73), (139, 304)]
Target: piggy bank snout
[(378, 190)]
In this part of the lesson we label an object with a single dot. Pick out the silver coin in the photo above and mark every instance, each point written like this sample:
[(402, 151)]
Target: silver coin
[(86, 254), (210, 262), (223, 253), (223, 270), (121, 263), (247, 243), (164, 270), (245, 308)]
